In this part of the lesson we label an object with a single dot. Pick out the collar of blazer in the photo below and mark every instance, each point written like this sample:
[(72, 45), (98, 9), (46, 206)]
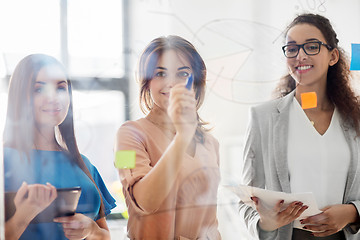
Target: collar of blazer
[(280, 123), (285, 101)]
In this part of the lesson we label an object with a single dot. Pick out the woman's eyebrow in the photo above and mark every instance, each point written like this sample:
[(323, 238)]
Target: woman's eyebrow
[(185, 67), (162, 68), (307, 40), (61, 82), (58, 83), (40, 82), (311, 39)]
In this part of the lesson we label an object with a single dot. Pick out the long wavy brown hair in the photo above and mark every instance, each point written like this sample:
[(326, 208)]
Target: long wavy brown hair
[(338, 87), (20, 120), (147, 65)]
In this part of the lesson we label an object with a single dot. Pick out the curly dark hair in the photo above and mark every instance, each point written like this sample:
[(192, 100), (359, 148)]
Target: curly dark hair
[(338, 87)]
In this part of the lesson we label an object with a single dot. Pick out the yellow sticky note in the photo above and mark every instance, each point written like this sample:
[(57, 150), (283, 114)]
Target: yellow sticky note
[(308, 100), (125, 159)]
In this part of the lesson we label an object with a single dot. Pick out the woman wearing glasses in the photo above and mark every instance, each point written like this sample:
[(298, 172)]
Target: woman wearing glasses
[(291, 149)]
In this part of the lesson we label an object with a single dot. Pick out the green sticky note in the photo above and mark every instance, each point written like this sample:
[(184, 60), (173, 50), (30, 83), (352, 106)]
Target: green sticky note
[(125, 159)]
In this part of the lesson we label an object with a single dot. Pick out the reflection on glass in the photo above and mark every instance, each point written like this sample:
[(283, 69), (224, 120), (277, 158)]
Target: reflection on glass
[(32, 28), (95, 38)]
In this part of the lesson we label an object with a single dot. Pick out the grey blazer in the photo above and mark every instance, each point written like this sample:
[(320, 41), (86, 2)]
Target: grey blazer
[(265, 163)]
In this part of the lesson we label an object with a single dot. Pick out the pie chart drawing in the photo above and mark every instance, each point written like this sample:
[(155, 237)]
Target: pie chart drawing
[(244, 58)]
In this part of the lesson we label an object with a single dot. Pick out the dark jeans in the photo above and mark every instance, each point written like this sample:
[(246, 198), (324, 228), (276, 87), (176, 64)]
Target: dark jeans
[(299, 234)]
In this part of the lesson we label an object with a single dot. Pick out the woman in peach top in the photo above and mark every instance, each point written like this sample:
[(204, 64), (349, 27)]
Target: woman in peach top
[(172, 191)]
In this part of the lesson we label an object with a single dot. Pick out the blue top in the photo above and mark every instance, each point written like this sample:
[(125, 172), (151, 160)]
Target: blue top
[(55, 167)]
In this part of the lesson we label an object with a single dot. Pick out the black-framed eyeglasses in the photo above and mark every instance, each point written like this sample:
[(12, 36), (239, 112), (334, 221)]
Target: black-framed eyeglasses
[(310, 48)]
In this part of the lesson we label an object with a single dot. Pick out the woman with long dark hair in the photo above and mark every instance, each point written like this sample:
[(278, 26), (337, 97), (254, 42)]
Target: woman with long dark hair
[(293, 148), (41, 154)]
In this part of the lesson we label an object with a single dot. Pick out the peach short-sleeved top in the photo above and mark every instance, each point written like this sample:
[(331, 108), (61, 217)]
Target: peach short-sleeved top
[(189, 211)]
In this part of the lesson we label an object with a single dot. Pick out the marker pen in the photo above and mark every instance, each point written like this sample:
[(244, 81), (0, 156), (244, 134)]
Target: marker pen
[(189, 82)]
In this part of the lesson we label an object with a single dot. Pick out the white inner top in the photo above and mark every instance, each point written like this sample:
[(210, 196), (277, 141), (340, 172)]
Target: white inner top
[(317, 163)]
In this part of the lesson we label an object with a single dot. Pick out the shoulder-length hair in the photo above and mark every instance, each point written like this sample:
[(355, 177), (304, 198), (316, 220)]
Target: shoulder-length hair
[(20, 120), (147, 66), (338, 87)]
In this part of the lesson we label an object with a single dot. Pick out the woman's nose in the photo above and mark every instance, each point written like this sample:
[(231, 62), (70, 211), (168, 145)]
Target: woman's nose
[(171, 81), (51, 94), (301, 55)]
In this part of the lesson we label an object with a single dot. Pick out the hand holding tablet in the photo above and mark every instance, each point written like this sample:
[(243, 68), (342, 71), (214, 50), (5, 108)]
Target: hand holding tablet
[(65, 204)]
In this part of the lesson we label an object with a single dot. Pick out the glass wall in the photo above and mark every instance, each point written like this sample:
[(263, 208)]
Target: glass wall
[(100, 42)]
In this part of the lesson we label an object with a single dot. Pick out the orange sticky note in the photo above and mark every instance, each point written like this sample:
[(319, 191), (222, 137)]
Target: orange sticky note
[(308, 100)]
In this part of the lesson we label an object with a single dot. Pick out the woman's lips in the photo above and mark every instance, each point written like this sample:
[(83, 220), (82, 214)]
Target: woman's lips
[(303, 68), (52, 111)]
